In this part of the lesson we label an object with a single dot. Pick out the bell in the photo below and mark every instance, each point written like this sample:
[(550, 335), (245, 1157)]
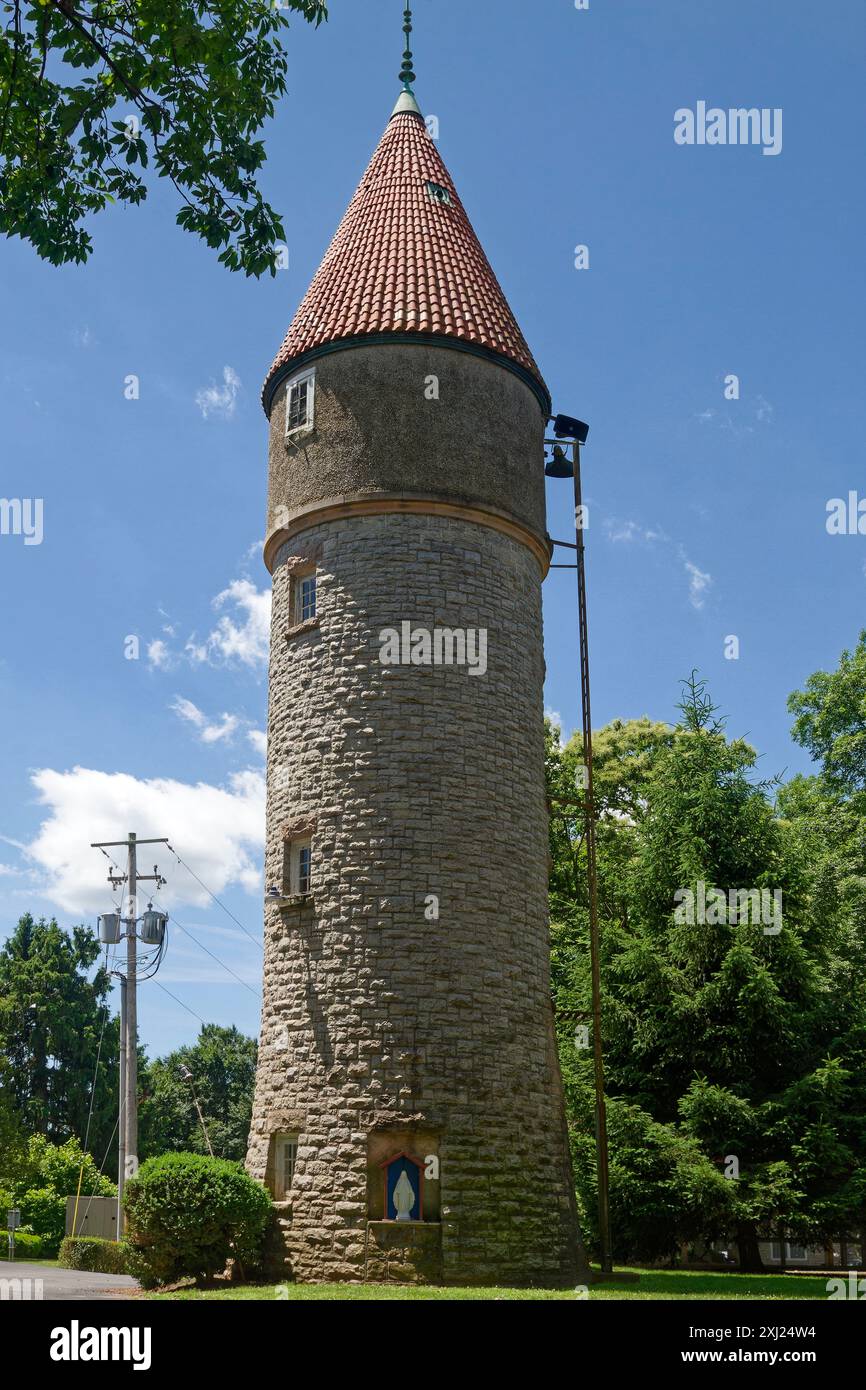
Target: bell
[(560, 466)]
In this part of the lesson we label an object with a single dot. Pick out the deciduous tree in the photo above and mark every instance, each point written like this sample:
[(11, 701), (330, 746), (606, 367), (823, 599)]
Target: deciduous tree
[(93, 92)]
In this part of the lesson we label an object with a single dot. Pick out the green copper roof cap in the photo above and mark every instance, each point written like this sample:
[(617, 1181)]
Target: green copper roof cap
[(407, 74), (406, 102)]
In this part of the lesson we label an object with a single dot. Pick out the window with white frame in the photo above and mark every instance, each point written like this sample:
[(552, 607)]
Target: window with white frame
[(306, 597), (305, 867), (298, 867), (792, 1252), (303, 602), (285, 1161), (300, 403)]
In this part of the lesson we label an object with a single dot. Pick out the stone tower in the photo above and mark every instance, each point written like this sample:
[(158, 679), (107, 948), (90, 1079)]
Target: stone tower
[(409, 1115)]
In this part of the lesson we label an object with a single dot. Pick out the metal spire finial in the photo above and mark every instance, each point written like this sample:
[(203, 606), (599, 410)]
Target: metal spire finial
[(407, 73)]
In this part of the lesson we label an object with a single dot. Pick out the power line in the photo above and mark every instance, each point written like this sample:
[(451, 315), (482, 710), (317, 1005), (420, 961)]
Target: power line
[(208, 951), (105, 1014), (180, 1001), (215, 898)]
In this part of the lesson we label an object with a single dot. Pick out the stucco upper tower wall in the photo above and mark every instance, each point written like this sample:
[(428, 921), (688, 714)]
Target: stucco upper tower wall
[(407, 421)]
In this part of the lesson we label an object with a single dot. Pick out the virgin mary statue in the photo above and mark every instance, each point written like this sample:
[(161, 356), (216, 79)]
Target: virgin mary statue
[(404, 1197)]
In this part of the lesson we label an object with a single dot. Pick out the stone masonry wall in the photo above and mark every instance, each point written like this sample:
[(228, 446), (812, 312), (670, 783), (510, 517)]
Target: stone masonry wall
[(417, 781)]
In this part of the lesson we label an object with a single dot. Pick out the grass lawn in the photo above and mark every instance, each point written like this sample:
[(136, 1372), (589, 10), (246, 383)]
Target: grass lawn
[(654, 1284)]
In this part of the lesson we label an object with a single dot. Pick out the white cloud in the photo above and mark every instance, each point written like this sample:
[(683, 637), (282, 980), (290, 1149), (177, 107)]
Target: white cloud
[(765, 411), (196, 651), (556, 720), (699, 583), (208, 730), (242, 633), (259, 740), (243, 636), (622, 531), (631, 531), (16, 844), (220, 400), (733, 422), (218, 831), (9, 871), (158, 655)]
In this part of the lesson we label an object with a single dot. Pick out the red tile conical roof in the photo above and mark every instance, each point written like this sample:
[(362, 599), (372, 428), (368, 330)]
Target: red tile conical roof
[(406, 260)]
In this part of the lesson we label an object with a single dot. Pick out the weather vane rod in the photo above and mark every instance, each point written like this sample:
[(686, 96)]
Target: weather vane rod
[(407, 72)]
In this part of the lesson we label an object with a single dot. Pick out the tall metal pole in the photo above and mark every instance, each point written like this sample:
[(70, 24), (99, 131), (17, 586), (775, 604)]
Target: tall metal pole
[(131, 1073), (188, 1078), (589, 804), (121, 1111)]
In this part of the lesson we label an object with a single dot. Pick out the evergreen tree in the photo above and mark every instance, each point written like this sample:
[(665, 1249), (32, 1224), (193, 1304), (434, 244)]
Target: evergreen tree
[(221, 1067), (54, 1020), (727, 1041)]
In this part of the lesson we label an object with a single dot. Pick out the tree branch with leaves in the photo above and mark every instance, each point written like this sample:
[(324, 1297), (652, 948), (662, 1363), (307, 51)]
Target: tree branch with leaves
[(93, 94)]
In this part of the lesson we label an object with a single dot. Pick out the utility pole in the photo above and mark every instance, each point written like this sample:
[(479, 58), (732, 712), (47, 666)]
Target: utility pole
[(130, 1099), (152, 936), (121, 1112)]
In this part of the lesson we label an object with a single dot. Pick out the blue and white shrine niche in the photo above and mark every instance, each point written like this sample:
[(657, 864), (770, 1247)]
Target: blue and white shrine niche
[(403, 1198)]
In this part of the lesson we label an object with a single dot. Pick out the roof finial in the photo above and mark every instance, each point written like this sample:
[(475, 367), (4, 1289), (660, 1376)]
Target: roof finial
[(407, 74)]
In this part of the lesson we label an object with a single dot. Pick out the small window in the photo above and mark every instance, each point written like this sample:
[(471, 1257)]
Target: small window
[(306, 598), (439, 194), (298, 867), (305, 861), (303, 604), (300, 404), (285, 1160)]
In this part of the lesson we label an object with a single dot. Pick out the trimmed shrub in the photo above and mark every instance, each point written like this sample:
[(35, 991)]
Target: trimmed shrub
[(29, 1247), (94, 1253), (44, 1212), (188, 1215), (41, 1177)]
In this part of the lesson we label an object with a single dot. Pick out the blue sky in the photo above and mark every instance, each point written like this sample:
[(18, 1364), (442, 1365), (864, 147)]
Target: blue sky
[(707, 515)]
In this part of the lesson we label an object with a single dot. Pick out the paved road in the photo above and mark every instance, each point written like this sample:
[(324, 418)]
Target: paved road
[(60, 1283)]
